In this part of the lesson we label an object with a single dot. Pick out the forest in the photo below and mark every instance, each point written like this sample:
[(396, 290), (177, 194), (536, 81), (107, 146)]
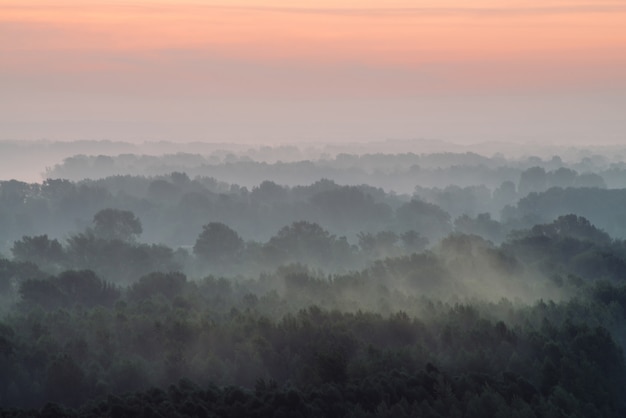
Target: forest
[(348, 285)]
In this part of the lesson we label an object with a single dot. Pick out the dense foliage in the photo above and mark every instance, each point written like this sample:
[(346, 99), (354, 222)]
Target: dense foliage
[(167, 296)]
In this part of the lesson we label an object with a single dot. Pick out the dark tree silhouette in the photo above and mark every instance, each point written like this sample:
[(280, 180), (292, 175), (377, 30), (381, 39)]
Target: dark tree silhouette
[(116, 224), (40, 250), (218, 242)]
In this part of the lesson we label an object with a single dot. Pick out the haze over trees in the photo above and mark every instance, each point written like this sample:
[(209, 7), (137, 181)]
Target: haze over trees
[(357, 285)]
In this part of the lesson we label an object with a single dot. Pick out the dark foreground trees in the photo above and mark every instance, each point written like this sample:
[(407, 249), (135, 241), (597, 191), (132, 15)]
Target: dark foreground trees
[(169, 356)]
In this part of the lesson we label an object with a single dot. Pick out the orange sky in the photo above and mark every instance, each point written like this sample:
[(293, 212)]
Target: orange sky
[(70, 51)]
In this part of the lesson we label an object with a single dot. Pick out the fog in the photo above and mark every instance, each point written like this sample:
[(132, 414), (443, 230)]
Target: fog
[(559, 118), (34, 161), (305, 209), (309, 279)]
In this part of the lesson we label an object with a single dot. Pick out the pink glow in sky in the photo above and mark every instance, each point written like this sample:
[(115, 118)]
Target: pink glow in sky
[(266, 71)]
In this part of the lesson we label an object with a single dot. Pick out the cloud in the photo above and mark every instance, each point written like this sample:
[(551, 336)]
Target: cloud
[(365, 11), (434, 11)]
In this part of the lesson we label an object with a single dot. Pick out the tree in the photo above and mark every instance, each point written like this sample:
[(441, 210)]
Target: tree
[(162, 191), (86, 251), (413, 241), (14, 272), (562, 177), (65, 381), (426, 218), (307, 242), (42, 292), (218, 242), (85, 287), (268, 191), (482, 225), (379, 245), (40, 250), (572, 226), (535, 179), (349, 207), (505, 194), (116, 224), (169, 285), (590, 180)]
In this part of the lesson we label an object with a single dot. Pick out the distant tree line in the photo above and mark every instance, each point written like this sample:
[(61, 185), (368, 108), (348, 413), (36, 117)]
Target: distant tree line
[(173, 208)]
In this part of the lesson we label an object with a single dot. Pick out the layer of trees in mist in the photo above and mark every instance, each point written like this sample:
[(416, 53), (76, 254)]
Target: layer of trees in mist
[(174, 206), (394, 172), (493, 288)]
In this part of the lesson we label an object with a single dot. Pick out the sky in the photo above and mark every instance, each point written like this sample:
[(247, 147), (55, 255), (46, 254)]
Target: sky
[(304, 71)]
